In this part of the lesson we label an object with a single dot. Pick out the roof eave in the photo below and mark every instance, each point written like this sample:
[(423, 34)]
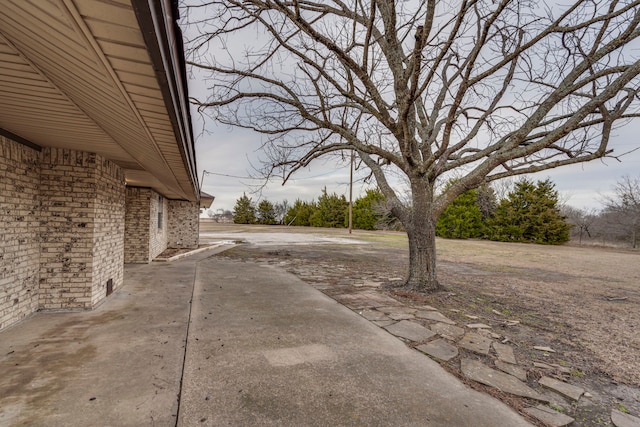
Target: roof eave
[(163, 38)]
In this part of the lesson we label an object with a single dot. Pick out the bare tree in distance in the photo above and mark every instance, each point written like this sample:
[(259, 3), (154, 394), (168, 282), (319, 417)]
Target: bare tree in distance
[(281, 210), (581, 220), (625, 205), (503, 187), (476, 89), (220, 215)]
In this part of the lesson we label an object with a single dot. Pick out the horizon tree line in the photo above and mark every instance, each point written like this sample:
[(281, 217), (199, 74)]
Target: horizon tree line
[(521, 211)]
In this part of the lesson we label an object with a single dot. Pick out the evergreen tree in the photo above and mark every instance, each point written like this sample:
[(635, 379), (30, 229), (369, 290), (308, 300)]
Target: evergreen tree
[(365, 214), (331, 211), (244, 212), (266, 213), (530, 213), (462, 219), (300, 213)]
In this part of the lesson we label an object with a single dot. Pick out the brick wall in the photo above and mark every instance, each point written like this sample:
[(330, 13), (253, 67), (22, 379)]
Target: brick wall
[(183, 224), (108, 232), (19, 245), (63, 223), (157, 231), (137, 218), (76, 245), (144, 240), (67, 186)]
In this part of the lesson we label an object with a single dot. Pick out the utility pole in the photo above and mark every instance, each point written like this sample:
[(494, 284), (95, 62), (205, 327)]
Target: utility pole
[(351, 193), (204, 172)]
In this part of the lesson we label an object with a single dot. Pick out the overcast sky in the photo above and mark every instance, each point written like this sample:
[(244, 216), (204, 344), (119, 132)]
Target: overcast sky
[(228, 154)]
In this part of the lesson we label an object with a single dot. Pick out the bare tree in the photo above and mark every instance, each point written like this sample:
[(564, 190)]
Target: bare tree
[(220, 215), (477, 89), (503, 187), (281, 209), (581, 220), (625, 205), (609, 229)]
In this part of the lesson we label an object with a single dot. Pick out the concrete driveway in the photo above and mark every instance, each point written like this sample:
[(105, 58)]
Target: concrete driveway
[(277, 239)]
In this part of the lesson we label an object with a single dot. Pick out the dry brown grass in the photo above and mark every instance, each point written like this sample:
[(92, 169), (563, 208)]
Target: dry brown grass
[(594, 291)]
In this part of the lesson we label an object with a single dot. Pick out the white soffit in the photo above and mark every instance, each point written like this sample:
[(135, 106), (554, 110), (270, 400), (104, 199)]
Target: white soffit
[(77, 74)]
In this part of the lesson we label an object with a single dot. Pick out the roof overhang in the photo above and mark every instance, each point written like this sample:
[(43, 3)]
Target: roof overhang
[(206, 200), (103, 76)]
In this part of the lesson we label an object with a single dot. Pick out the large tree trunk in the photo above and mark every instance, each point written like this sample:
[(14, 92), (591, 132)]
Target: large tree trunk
[(421, 230)]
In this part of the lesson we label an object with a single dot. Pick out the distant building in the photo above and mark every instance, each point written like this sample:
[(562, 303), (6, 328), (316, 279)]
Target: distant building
[(97, 162)]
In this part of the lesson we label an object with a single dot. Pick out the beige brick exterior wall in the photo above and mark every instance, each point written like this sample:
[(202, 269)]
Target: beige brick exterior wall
[(183, 224), (137, 218), (144, 239), (67, 220), (82, 215), (157, 234), (19, 245), (108, 234), (67, 185)]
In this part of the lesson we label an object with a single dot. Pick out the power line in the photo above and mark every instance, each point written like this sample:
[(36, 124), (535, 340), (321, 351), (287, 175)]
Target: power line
[(260, 179), (231, 176)]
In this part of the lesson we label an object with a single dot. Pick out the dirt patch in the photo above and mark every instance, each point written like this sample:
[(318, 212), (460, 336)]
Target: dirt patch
[(582, 302)]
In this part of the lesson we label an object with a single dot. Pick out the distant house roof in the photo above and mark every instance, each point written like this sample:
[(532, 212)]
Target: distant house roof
[(104, 76), (206, 200)]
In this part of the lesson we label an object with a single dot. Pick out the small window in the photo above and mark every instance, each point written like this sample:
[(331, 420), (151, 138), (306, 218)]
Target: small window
[(160, 211)]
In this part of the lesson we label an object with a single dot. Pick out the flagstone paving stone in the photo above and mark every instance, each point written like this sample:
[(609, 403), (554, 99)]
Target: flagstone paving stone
[(373, 315), (434, 315), (620, 419), (365, 299), (542, 365), (410, 330), (571, 391), (478, 326), (479, 372), (401, 316), (439, 349), (397, 310), (447, 330), (549, 416), (476, 343), (505, 353), (510, 369)]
